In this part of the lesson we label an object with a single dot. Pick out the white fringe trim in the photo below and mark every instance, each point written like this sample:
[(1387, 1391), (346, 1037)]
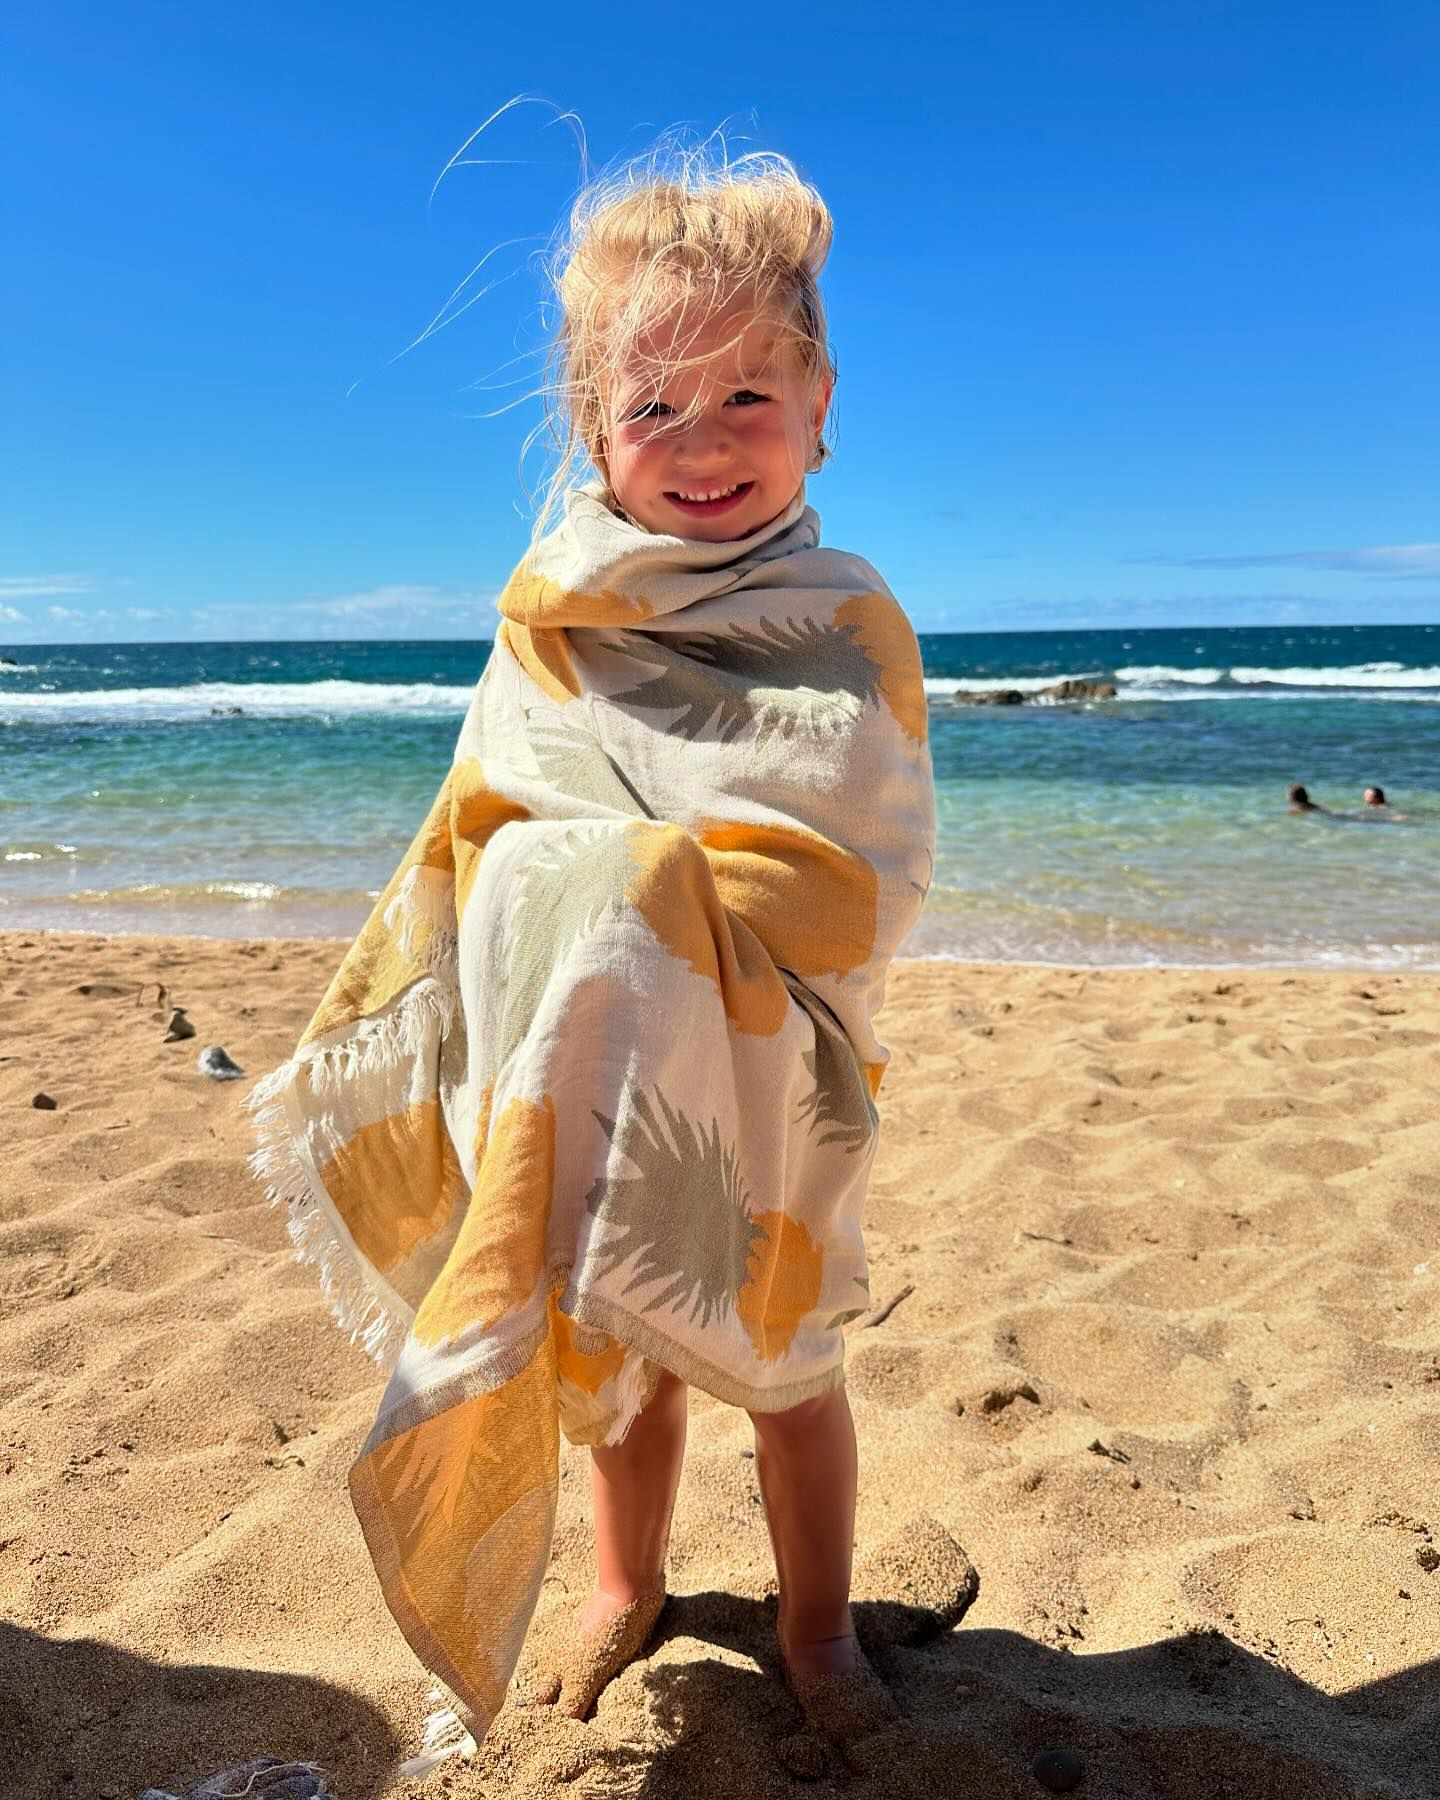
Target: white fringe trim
[(421, 1015), (445, 1735), (360, 1305), (426, 895), (630, 1385), (357, 1308)]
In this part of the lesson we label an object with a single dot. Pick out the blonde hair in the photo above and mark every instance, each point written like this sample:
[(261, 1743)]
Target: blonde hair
[(681, 231)]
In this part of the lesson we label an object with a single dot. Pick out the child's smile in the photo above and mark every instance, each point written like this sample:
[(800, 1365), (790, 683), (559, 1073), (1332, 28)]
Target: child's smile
[(710, 505), (718, 448)]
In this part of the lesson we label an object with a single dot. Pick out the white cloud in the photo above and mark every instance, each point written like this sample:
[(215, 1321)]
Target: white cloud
[(39, 587), (395, 610), (1377, 559), (63, 613), (142, 612), (10, 615), (392, 601)]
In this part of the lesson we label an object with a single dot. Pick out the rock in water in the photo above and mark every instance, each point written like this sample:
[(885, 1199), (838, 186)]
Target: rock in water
[(1058, 1770), (263, 1778), (1071, 689), (214, 1062), (179, 1027)]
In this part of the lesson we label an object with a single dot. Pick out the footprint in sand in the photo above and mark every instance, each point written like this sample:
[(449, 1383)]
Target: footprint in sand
[(47, 1261)]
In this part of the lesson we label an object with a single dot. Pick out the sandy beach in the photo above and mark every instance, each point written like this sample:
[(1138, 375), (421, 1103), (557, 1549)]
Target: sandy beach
[(1167, 1365)]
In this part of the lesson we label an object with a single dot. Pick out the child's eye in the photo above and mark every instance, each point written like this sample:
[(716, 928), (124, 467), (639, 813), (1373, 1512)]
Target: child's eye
[(651, 409), (748, 397)]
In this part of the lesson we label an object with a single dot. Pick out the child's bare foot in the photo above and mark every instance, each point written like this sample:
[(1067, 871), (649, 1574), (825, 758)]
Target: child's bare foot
[(609, 1632), (836, 1687)]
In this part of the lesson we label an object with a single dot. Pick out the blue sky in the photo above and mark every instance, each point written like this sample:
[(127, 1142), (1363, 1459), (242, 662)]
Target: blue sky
[(1134, 305)]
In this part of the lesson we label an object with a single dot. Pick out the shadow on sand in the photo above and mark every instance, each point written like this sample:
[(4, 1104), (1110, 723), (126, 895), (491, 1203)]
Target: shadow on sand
[(1190, 1718), (79, 1718)]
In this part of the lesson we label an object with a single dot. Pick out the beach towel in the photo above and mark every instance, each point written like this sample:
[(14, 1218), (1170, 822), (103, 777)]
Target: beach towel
[(592, 1093)]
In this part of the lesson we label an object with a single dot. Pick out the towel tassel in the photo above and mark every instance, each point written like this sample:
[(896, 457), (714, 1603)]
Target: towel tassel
[(445, 1735)]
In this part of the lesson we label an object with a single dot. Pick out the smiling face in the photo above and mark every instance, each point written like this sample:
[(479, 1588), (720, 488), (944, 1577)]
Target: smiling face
[(717, 448)]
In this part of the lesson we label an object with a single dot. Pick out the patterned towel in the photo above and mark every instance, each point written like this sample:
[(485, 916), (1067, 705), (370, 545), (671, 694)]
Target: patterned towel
[(592, 1092)]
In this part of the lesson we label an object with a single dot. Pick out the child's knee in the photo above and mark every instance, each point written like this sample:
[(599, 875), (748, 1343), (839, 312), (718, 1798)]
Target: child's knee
[(797, 1421)]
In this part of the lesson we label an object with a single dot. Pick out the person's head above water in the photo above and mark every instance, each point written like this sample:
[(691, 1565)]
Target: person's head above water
[(691, 363), (1375, 796), (1299, 800)]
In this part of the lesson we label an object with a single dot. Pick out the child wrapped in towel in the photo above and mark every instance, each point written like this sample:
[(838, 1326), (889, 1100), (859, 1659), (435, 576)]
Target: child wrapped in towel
[(588, 1110)]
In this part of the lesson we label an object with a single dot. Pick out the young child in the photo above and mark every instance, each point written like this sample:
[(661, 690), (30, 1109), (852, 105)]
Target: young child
[(587, 1113)]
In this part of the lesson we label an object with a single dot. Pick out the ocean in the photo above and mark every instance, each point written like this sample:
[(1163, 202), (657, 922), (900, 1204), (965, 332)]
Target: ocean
[(1148, 829)]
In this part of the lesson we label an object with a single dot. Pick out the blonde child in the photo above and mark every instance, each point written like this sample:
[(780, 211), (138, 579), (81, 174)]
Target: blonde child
[(737, 715)]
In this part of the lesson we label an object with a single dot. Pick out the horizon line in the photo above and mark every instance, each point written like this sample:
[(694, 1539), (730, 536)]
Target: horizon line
[(920, 631)]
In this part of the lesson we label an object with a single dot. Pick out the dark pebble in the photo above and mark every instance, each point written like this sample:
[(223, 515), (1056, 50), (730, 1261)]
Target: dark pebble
[(44, 1102), (1058, 1770)]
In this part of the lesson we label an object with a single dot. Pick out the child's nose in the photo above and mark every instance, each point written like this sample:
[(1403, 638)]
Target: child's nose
[(704, 442)]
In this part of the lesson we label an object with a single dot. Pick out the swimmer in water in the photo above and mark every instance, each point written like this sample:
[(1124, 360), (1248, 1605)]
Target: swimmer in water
[(1300, 801), (1379, 810)]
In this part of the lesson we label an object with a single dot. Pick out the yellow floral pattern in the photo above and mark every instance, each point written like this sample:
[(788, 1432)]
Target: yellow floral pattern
[(590, 1095)]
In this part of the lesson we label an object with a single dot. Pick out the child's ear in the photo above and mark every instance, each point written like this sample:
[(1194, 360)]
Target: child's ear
[(820, 405)]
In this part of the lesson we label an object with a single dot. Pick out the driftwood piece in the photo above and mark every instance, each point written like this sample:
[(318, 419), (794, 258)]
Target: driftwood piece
[(881, 1314)]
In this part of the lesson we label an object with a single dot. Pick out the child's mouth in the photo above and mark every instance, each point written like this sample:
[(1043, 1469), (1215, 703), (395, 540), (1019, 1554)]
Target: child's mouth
[(706, 502)]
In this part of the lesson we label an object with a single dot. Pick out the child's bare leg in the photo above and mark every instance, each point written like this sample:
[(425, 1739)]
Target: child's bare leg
[(634, 1485), (806, 1461)]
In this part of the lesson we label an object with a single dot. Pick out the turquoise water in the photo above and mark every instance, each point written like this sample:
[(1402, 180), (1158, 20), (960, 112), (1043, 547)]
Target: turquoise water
[(1148, 829)]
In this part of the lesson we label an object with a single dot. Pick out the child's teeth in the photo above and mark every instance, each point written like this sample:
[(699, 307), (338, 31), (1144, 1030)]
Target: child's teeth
[(714, 494)]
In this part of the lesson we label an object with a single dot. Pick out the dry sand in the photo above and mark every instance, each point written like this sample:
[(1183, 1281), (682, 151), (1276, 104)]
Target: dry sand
[(1168, 1372)]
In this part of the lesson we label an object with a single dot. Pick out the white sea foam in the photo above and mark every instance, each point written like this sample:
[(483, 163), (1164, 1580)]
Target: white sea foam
[(19, 668), (946, 687), (1148, 677), (242, 890), (257, 699), (1372, 675), (1357, 675)]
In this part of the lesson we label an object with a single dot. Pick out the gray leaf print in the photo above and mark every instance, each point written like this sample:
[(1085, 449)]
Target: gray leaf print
[(572, 762), (838, 1109), (563, 894), (682, 1213), (797, 674)]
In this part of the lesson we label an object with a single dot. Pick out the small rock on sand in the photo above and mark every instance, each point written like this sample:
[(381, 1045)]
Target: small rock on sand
[(1058, 1770), (45, 1102), (178, 1027), (214, 1061)]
